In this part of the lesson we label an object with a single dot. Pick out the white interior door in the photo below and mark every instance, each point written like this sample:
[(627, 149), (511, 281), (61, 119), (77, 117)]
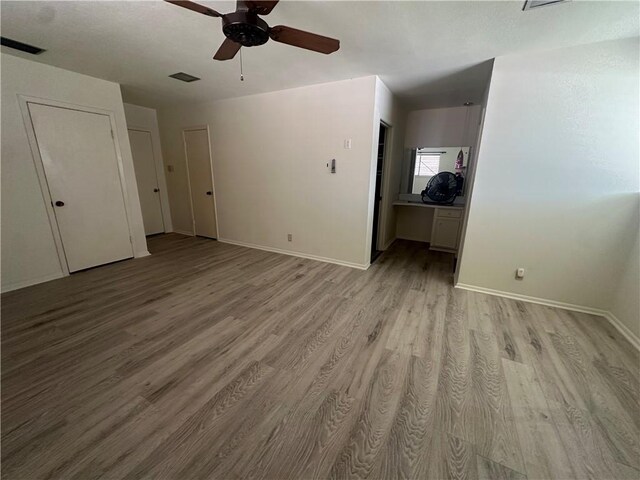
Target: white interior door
[(147, 179), (196, 144), (81, 166)]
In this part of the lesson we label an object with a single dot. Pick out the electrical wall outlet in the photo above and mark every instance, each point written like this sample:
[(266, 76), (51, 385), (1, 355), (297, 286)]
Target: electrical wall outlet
[(289, 237), (520, 273), (169, 168)]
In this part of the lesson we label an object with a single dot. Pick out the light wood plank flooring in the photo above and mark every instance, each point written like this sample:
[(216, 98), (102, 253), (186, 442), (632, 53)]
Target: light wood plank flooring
[(207, 360)]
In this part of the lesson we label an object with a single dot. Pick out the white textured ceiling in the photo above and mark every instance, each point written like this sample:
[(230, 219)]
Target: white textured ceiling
[(430, 54)]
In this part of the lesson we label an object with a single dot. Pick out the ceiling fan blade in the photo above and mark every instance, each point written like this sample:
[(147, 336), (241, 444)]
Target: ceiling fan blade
[(302, 39), (259, 7), (195, 7), (227, 50)]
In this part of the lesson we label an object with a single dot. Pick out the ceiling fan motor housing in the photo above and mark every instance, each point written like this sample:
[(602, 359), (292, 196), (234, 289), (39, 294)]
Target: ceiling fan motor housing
[(245, 28)]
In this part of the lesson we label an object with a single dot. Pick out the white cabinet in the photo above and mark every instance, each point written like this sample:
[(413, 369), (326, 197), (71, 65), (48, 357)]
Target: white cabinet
[(446, 229)]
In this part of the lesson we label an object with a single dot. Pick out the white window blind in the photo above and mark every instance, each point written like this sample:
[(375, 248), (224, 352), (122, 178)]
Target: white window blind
[(427, 164)]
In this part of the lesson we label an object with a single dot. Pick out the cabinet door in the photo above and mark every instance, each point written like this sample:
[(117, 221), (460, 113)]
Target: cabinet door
[(445, 233)]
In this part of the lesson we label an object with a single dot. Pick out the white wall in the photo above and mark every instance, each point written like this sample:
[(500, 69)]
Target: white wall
[(270, 155), (146, 119), (28, 251), (439, 127), (390, 111), (470, 178), (626, 297), (557, 176)]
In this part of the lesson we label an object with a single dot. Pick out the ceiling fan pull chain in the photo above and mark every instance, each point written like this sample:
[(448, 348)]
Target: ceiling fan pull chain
[(241, 75)]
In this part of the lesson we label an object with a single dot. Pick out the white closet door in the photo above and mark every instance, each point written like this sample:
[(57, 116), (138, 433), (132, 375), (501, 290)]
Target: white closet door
[(201, 182), (81, 166), (147, 180)]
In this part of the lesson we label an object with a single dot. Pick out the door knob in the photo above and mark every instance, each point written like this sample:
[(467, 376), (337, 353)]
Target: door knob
[(156, 190), (59, 204), (209, 193)]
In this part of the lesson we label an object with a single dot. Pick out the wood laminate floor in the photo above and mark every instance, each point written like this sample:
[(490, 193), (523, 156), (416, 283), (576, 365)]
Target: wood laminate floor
[(207, 360)]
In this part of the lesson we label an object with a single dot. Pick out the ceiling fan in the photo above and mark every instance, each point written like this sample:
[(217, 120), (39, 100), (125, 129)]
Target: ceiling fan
[(244, 28)]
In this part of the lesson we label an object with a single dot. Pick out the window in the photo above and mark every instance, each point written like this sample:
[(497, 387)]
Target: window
[(427, 164)]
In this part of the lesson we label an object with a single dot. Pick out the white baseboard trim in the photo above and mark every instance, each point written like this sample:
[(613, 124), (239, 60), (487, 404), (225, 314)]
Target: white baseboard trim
[(359, 266), (144, 253), (527, 298), (621, 327), (624, 330), (32, 281), (183, 232)]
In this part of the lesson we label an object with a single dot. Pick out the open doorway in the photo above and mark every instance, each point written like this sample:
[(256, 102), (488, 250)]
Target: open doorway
[(378, 195)]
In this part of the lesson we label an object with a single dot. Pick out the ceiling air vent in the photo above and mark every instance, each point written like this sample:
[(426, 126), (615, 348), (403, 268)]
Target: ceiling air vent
[(185, 77), (531, 4), (23, 47)]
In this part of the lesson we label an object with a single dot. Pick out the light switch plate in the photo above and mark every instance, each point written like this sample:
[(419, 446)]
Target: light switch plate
[(347, 144)]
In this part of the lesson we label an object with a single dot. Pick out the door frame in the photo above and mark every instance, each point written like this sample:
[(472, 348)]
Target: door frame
[(155, 164), (384, 186), (213, 183), (386, 176), (23, 102), (377, 194), (387, 208)]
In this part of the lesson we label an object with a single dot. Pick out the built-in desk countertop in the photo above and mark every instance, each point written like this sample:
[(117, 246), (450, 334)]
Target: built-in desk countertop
[(402, 203)]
